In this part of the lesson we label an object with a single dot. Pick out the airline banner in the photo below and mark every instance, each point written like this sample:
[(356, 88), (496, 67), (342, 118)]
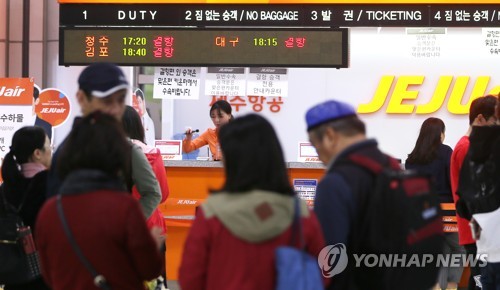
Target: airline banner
[(16, 109), (283, 15)]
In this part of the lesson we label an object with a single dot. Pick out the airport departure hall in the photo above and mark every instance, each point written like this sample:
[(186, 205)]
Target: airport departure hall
[(196, 75)]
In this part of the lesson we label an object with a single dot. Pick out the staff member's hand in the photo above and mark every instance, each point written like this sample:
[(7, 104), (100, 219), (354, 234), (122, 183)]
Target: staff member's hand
[(189, 132)]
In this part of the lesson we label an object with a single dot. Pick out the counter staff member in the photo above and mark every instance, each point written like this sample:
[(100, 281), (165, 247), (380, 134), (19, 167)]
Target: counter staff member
[(220, 113)]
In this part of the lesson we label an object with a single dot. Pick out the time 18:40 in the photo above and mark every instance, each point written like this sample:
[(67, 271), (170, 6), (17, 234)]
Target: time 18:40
[(262, 41), (134, 52)]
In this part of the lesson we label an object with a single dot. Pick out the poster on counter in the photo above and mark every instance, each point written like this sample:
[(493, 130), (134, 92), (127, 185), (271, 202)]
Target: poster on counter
[(306, 189), (170, 149), (225, 81), (267, 81), (182, 83), (307, 153)]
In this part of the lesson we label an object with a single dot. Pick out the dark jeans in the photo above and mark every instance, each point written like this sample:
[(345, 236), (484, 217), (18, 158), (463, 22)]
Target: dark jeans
[(490, 276), (471, 249)]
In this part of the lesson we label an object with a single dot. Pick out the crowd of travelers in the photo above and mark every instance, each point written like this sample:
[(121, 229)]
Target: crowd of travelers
[(93, 204)]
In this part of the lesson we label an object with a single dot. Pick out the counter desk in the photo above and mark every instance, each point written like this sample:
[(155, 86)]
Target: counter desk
[(190, 182)]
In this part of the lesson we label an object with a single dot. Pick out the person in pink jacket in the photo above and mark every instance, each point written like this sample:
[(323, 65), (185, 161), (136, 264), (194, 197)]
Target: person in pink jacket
[(135, 131)]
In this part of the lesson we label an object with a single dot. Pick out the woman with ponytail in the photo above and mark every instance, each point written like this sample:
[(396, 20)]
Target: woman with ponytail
[(24, 173)]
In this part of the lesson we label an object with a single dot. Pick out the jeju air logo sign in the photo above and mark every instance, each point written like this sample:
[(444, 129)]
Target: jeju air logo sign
[(401, 95), (52, 106)]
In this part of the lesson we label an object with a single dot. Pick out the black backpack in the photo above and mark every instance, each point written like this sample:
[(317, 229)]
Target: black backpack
[(479, 182), (20, 262), (403, 217)]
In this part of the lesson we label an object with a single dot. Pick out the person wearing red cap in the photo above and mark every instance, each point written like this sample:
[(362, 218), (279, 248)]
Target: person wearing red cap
[(103, 87)]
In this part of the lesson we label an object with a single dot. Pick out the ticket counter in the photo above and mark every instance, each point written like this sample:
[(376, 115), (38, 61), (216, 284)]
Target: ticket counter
[(190, 182)]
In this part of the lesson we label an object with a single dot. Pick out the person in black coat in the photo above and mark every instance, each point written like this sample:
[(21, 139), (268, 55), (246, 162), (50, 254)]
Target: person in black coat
[(431, 156), (24, 172)]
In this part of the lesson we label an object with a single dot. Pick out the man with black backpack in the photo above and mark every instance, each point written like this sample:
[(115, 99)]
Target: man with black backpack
[(357, 209)]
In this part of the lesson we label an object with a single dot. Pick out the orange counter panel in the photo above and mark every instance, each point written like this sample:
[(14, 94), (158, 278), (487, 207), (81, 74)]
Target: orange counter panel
[(189, 186)]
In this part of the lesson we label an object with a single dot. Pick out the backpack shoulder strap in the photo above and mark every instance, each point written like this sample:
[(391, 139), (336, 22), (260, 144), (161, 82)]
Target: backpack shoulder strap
[(373, 165)]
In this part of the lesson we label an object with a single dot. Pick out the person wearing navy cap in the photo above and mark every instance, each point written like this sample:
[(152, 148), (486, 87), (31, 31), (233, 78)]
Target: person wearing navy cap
[(103, 87), (335, 131)]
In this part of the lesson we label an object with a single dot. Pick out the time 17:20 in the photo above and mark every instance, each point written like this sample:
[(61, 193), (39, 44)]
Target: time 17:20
[(263, 41), (134, 40)]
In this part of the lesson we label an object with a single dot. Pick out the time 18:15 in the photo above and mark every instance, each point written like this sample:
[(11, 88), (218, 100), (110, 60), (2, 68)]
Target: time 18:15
[(263, 41)]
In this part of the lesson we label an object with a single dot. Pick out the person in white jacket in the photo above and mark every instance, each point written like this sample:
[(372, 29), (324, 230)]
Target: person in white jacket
[(147, 122)]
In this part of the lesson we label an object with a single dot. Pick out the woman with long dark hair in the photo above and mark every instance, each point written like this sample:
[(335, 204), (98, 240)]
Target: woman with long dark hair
[(233, 239), (24, 173), (106, 222), (431, 156)]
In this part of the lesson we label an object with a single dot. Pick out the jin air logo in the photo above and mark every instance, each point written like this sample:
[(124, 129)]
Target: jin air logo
[(333, 260)]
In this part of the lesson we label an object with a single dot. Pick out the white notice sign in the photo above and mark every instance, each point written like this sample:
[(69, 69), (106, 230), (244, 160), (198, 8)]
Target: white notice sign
[(225, 81), (307, 153), (170, 149), (491, 40), (177, 83), (266, 81)]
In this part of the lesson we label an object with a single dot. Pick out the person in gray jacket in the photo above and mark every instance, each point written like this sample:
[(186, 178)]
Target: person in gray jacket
[(103, 87)]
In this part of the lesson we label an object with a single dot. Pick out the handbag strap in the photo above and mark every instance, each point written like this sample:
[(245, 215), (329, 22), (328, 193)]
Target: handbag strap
[(99, 279), (5, 203), (297, 225)]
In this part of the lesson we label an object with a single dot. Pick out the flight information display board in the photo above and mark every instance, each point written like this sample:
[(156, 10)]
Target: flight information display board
[(326, 15), (245, 47)]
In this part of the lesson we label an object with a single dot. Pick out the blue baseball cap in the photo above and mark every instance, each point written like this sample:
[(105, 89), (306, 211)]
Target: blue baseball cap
[(327, 111), (102, 79)]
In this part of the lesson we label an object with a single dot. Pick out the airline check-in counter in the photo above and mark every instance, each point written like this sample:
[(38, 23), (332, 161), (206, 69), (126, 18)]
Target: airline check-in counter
[(190, 182)]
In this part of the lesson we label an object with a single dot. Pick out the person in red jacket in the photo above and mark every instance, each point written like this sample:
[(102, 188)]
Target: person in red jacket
[(481, 113), (231, 244), (106, 222), (135, 131)]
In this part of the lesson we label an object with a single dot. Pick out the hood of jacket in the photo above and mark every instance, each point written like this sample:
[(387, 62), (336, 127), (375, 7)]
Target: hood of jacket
[(88, 180), (145, 148), (253, 216), (484, 141)]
